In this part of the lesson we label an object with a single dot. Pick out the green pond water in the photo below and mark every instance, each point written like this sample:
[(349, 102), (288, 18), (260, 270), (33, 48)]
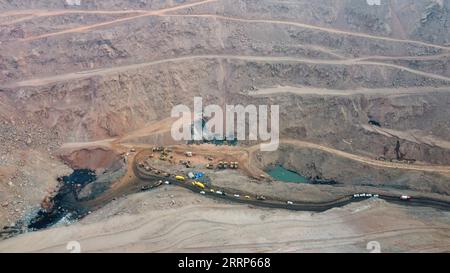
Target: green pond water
[(282, 174)]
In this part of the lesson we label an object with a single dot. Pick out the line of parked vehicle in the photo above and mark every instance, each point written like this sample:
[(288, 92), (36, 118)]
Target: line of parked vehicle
[(369, 195), (202, 188), (262, 198)]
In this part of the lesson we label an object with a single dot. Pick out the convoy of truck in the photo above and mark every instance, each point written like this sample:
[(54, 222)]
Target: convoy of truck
[(360, 195), (221, 165), (226, 164)]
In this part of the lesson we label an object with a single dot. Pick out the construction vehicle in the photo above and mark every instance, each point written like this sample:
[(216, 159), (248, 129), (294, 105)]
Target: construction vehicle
[(220, 165), (187, 163), (233, 165), (180, 178), (209, 166), (198, 184), (157, 149), (260, 197)]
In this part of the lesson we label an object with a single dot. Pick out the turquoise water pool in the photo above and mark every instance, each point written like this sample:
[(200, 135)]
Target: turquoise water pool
[(282, 174)]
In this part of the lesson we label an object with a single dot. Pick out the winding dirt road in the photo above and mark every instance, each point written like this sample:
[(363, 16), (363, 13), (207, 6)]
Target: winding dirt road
[(281, 204), (97, 25), (312, 27), (99, 72), (163, 12)]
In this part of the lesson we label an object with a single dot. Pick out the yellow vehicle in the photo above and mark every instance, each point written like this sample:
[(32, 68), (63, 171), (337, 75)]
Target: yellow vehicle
[(248, 197), (198, 184), (179, 177)]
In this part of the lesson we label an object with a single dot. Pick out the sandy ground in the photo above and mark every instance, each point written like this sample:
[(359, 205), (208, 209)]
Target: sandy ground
[(171, 219)]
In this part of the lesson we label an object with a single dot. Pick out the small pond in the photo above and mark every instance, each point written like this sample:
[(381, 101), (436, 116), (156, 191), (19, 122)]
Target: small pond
[(280, 173)]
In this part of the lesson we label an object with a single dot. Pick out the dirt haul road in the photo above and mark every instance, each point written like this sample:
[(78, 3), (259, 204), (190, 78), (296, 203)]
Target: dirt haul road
[(93, 26), (282, 204), (117, 69)]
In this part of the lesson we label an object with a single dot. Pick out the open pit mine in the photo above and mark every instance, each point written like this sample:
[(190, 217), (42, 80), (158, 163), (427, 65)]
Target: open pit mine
[(357, 95)]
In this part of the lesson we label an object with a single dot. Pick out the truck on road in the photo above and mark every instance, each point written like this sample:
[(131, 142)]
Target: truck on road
[(405, 197), (198, 184), (180, 178), (261, 197)]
